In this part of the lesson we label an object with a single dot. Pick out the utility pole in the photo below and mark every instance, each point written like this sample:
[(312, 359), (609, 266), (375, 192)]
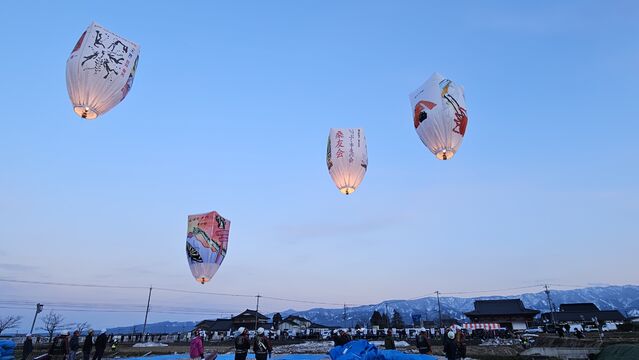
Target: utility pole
[(38, 310), (148, 302), (439, 307), (551, 306), (387, 318), (257, 308), (344, 316)]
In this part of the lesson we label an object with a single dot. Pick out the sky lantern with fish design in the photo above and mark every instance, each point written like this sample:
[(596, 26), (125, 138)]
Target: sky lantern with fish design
[(346, 158), (439, 115), (100, 71), (206, 243)]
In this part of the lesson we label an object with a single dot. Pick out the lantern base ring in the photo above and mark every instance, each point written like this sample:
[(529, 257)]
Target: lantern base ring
[(85, 112), (445, 154), (347, 190)]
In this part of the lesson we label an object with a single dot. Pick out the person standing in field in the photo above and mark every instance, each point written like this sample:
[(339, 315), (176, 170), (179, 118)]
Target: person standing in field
[(422, 343), (242, 344), (335, 338), (196, 348), (389, 342), (344, 337), (100, 345), (461, 344), (74, 345), (450, 347), (59, 348), (262, 345), (27, 348), (88, 345)]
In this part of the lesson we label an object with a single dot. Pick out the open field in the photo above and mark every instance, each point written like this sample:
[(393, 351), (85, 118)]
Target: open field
[(474, 350)]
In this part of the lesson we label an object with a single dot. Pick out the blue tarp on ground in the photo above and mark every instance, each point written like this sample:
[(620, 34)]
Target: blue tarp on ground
[(6, 349), (363, 350)]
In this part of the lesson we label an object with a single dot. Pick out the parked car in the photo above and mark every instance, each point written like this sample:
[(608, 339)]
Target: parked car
[(590, 328), (609, 327), (535, 330), (575, 327)]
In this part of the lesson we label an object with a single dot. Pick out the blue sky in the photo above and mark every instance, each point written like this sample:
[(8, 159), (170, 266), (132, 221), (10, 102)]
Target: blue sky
[(230, 110)]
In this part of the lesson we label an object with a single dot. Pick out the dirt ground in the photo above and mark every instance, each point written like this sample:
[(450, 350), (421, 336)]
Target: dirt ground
[(321, 347)]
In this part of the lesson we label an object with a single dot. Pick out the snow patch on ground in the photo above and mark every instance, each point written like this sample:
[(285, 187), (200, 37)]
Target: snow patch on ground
[(308, 347), (380, 344), (149, 344)]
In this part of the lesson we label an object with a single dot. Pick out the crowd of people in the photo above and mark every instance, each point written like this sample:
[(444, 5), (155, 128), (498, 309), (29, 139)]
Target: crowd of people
[(66, 346), (261, 345)]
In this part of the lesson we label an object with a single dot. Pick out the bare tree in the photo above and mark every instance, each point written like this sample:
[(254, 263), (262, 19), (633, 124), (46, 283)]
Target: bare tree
[(9, 322), (51, 321), (82, 326)]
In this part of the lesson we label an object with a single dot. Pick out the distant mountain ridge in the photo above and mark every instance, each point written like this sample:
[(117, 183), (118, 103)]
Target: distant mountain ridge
[(164, 327), (623, 298)]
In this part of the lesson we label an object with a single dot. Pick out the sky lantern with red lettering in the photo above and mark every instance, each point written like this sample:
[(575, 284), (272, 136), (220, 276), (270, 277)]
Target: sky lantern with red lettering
[(100, 71), (439, 115), (206, 242), (346, 158)]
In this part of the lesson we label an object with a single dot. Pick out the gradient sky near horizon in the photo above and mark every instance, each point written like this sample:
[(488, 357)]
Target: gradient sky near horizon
[(230, 111)]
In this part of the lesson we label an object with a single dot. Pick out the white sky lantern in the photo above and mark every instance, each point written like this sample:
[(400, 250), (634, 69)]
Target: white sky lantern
[(206, 242), (346, 158), (100, 71), (439, 115)]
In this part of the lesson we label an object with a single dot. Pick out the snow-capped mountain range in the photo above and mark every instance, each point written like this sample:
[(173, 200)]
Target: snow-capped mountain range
[(623, 298), (164, 327)]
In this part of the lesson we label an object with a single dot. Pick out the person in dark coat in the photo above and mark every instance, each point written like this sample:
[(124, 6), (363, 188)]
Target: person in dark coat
[(344, 337), (242, 344), (262, 345), (389, 342), (59, 348), (88, 345), (27, 348), (422, 343), (74, 344), (335, 337), (460, 341), (450, 347), (100, 345)]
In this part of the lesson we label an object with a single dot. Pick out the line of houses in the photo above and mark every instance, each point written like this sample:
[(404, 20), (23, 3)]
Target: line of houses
[(250, 319), (510, 314)]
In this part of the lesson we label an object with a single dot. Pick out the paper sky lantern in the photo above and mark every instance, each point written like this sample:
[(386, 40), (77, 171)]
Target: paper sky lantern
[(346, 158), (100, 71), (206, 243), (439, 115)]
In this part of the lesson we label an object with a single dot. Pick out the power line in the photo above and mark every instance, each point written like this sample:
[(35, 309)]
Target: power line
[(204, 292), (71, 284), (571, 286), (110, 307), (306, 301), (169, 290), (475, 291), (187, 312), (490, 291), (300, 301)]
